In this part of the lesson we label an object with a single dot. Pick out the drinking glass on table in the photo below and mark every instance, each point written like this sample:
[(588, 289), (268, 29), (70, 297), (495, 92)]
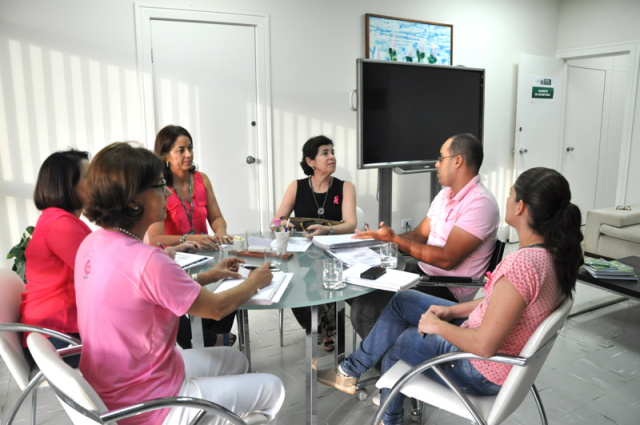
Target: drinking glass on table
[(389, 255), (332, 274), (274, 256)]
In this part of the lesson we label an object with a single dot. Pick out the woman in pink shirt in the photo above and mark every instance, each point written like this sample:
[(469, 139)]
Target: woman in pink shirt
[(50, 297), (524, 289), (130, 296)]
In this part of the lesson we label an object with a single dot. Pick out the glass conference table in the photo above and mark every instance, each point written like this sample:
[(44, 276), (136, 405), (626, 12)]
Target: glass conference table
[(304, 290)]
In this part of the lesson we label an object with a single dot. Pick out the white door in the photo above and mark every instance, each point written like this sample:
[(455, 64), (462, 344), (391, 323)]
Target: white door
[(582, 134), (208, 75), (538, 119)]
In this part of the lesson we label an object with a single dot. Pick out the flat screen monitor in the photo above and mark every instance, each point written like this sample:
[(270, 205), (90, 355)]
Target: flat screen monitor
[(406, 111)]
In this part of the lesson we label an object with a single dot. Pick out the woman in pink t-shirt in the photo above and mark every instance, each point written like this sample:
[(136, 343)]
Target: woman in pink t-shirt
[(130, 296), (523, 290), (50, 297)]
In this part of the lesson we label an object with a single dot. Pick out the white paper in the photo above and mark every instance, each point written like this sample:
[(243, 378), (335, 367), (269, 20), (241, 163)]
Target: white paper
[(355, 256), (268, 295), (187, 261), (296, 244)]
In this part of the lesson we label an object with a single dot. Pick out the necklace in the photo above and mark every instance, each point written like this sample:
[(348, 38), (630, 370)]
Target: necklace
[(126, 232), (189, 215), (320, 208)]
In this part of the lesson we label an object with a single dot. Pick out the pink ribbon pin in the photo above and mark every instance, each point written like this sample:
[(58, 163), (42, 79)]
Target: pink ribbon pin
[(335, 200)]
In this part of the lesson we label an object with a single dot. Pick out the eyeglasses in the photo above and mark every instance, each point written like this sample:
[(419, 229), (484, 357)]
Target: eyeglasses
[(623, 207), (440, 157), (162, 184)]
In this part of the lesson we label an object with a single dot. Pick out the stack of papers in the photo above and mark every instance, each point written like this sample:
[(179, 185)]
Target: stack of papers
[(338, 242), (393, 280), (354, 256), (269, 295), (186, 260), (603, 269)]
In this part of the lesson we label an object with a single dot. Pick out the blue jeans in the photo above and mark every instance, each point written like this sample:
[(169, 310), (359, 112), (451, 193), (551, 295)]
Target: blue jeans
[(395, 337)]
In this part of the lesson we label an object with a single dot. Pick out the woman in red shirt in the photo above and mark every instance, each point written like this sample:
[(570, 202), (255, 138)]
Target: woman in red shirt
[(190, 206), (50, 297)]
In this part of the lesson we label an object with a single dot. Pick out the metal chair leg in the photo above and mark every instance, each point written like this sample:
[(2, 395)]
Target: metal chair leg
[(281, 313), (34, 398), (536, 397), (30, 388)]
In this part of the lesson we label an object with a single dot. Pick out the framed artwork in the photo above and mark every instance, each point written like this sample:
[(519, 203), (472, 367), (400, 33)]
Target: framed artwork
[(408, 40)]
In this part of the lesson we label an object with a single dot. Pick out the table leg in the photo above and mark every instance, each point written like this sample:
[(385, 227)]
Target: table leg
[(339, 336), (312, 374), (243, 334)]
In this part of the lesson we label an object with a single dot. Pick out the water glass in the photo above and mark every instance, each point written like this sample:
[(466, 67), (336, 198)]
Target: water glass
[(332, 274), (274, 256), (389, 255)]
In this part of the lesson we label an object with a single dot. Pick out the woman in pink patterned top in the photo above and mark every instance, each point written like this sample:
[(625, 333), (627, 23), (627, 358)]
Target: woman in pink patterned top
[(523, 290)]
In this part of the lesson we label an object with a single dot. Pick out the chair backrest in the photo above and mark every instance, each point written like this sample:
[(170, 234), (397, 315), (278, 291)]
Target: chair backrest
[(360, 218), (63, 378), (520, 379), (496, 257), (11, 288)]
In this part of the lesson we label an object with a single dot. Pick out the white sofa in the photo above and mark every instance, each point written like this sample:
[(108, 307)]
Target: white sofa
[(613, 233)]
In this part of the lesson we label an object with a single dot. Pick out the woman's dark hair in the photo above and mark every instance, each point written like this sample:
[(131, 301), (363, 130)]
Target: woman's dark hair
[(310, 150), (548, 197), (470, 147), (164, 142), (116, 175), (57, 180)]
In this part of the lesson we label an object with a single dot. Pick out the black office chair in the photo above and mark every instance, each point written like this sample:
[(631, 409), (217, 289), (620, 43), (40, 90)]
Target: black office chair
[(496, 257)]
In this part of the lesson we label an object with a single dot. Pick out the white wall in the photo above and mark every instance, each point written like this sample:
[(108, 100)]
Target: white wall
[(68, 78), (584, 23)]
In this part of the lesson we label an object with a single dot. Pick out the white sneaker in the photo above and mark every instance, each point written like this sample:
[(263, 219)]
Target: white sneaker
[(376, 399)]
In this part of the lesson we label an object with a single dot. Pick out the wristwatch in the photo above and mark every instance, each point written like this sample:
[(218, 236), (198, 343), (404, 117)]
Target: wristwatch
[(331, 230)]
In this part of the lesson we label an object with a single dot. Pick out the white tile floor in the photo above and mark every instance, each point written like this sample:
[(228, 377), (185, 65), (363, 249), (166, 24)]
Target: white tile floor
[(591, 377)]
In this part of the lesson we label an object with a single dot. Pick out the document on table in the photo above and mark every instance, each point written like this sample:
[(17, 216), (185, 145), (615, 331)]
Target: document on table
[(295, 244), (268, 295), (339, 242), (186, 260), (353, 256), (393, 280)]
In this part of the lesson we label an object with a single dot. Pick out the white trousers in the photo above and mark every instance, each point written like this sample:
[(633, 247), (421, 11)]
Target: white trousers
[(219, 374)]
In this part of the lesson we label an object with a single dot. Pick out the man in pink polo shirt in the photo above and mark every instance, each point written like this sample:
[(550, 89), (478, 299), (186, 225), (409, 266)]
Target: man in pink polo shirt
[(456, 238)]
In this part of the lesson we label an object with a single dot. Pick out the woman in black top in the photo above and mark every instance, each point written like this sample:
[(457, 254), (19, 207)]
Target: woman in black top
[(320, 196)]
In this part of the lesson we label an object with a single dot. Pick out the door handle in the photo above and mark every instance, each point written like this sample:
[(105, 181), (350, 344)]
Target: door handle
[(522, 151), (251, 160), (570, 148)]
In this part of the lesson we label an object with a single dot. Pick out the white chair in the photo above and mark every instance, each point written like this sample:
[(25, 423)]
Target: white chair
[(360, 218), (11, 351), (484, 410), (84, 405)]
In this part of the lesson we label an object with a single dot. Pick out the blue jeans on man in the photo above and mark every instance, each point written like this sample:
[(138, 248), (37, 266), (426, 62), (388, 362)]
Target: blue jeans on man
[(395, 337)]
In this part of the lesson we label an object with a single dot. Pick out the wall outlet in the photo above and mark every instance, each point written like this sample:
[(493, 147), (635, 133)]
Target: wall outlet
[(406, 222)]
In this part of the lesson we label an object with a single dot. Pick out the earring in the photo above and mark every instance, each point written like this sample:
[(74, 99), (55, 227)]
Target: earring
[(167, 164), (313, 168)]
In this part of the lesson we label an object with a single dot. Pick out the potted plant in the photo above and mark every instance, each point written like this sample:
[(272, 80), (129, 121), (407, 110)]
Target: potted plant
[(17, 253)]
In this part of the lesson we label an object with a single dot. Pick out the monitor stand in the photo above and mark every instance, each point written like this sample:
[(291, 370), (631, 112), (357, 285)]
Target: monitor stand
[(385, 180)]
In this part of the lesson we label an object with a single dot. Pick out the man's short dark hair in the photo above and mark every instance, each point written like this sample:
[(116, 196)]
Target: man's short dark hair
[(57, 180), (470, 147)]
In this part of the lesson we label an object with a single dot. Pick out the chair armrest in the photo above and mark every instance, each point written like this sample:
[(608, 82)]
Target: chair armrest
[(447, 281), (453, 356), (164, 402), (21, 327)]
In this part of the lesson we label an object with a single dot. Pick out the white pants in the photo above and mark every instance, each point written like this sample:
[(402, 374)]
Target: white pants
[(219, 374)]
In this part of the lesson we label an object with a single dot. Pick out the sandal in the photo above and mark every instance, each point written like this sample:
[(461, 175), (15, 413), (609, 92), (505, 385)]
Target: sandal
[(227, 340), (329, 343)]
